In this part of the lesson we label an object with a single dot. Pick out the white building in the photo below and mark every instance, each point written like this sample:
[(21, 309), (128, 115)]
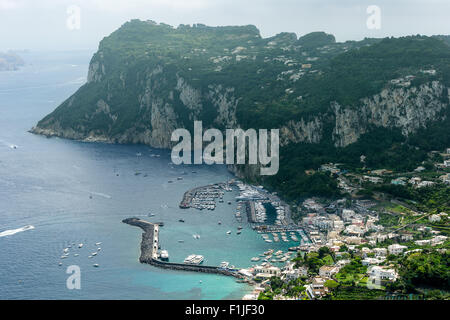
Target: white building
[(396, 249), (371, 261), (434, 218), (267, 271), (328, 271), (378, 273), (380, 252)]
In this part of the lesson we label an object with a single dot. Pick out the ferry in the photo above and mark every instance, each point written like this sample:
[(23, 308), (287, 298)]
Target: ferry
[(194, 259)]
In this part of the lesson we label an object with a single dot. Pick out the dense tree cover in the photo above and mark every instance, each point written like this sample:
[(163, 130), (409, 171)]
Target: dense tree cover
[(355, 293), (292, 288), (435, 198), (314, 260), (424, 269)]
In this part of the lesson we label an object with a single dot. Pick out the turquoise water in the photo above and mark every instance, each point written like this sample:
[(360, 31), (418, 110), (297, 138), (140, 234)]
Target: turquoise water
[(75, 192)]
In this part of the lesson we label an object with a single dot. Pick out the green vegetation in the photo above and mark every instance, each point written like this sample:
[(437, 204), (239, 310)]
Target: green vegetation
[(142, 63)]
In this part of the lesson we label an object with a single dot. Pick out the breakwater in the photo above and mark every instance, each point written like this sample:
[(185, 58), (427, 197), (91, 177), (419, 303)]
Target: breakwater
[(149, 251)]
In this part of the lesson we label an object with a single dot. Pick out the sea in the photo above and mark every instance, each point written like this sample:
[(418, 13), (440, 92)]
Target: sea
[(57, 194)]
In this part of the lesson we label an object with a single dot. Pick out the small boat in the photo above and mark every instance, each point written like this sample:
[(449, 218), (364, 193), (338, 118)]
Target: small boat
[(239, 232), (181, 220), (170, 181), (98, 243), (60, 264), (220, 222), (66, 250), (180, 178), (63, 257), (96, 265), (98, 249), (254, 259), (151, 214), (229, 232), (180, 241), (196, 236), (76, 255), (229, 202), (164, 256), (94, 254), (80, 245)]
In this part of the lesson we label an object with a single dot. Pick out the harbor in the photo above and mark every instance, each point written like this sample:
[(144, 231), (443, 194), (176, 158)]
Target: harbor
[(149, 252)]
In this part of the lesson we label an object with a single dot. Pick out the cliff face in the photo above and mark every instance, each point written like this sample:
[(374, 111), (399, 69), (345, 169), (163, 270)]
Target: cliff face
[(147, 80), (407, 109)]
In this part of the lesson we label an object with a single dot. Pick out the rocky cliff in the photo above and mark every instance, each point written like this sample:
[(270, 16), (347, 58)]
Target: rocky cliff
[(146, 80)]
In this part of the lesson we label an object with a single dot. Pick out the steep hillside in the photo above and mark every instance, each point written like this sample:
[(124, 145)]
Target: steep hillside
[(148, 79)]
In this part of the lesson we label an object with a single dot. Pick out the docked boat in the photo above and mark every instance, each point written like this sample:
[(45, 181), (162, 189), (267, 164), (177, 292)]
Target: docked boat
[(224, 264), (164, 255), (194, 259), (254, 259)]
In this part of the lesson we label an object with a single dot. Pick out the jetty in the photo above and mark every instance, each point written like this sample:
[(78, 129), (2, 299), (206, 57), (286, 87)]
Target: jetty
[(149, 251)]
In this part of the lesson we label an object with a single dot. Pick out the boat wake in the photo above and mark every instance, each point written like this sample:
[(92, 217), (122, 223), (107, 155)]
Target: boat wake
[(7, 144), (14, 231), (101, 195)]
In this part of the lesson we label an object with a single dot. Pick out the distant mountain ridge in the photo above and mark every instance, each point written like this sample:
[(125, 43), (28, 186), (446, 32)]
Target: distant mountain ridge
[(148, 79)]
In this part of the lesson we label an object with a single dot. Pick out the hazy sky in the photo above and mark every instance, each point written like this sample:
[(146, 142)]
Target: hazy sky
[(42, 24)]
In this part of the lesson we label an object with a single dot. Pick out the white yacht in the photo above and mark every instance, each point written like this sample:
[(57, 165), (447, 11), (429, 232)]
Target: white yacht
[(194, 259)]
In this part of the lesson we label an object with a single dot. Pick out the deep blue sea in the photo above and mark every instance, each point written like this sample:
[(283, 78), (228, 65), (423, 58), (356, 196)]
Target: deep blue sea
[(74, 192)]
